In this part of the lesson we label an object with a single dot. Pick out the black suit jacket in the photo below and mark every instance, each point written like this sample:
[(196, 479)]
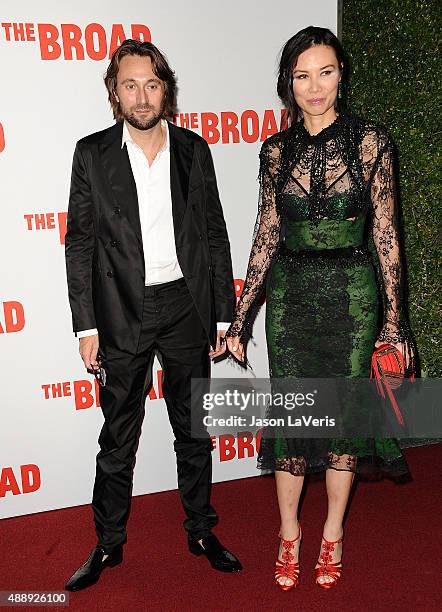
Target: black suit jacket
[(104, 249)]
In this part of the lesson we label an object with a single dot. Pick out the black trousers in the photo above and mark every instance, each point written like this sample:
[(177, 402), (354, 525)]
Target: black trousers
[(171, 328)]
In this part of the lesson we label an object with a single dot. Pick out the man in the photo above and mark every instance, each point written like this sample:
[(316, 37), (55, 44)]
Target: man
[(149, 272)]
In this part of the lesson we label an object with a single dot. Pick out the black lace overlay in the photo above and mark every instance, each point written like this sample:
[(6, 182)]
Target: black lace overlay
[(266, 238), (318, 196), (351, 158)]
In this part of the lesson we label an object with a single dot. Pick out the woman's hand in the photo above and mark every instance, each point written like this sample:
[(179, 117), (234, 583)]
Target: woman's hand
[(236, 348), (404, 347)]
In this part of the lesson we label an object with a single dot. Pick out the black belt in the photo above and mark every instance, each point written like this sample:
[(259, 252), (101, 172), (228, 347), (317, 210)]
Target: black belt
[(350, 251), (174, 285)]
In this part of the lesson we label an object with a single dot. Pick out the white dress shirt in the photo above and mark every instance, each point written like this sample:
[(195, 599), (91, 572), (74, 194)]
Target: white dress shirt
[(155, 209)]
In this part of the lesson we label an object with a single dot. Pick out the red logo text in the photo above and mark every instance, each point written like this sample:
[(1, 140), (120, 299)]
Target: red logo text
[(13, 318), (228, 127), (86, 393), (240, 446), (239, 286), (2, 138), (27, 481), (48, 221), (72, 42)]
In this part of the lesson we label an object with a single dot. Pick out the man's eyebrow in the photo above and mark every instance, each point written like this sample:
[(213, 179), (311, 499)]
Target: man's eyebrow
[(131, 80), (323, 68)]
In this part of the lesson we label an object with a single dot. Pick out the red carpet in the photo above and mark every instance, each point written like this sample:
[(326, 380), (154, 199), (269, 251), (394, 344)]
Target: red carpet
[(392, 550)]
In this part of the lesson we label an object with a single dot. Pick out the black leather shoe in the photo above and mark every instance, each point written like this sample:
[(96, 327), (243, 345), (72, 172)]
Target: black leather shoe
[(90, 572), (219, 557)]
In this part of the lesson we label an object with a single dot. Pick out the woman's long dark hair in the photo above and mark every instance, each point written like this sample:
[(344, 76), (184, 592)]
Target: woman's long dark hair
[(300, 42)]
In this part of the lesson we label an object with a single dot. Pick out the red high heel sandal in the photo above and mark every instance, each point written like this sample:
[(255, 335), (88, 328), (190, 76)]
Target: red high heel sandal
[(327, 568), (287, 568)]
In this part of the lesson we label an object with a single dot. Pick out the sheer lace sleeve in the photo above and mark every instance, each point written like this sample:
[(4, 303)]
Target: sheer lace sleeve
[(386, 240), (265, 241)]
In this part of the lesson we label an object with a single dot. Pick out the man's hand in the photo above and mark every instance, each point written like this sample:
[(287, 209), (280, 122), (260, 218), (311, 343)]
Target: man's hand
[(220, 344), (88, 351)]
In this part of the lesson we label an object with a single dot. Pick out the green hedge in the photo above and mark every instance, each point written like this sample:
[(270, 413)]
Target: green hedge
[(396, 69)]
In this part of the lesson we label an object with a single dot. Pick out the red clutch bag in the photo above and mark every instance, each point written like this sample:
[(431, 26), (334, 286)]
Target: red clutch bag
[(388, 369)]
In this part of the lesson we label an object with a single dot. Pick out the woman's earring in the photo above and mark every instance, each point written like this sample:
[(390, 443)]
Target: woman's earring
[(340, 90)]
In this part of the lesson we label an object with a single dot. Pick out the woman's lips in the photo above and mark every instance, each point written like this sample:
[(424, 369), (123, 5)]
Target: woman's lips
[(316, 100)]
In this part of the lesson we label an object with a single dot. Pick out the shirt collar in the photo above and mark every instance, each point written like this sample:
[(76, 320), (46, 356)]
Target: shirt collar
[(126, 137)]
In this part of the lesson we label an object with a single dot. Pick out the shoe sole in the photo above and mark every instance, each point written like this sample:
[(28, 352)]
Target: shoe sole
[(81, 588), (198, 552)]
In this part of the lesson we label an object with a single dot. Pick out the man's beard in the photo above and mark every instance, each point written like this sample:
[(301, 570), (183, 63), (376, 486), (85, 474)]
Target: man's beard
[(146, 123)]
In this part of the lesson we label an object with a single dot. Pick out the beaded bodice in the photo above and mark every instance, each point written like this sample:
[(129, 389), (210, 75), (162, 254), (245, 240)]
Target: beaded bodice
[(316, 189)]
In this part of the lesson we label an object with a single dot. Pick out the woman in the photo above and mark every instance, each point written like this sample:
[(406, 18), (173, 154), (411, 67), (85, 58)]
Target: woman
[(321, 180)]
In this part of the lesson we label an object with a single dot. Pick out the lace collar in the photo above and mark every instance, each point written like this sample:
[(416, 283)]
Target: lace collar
[(325, 134)]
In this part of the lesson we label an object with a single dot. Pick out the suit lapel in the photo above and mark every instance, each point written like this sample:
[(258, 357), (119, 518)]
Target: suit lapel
[(119, 173), (181, 157)]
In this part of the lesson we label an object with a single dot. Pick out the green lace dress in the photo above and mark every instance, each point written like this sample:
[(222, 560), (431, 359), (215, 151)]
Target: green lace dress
[(319, 195)]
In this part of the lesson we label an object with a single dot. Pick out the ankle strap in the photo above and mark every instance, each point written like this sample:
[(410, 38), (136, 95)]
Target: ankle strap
[(335, 542), (296, 539)]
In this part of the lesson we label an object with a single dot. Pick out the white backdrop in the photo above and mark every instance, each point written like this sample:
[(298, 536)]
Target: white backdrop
[(53, 57)]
